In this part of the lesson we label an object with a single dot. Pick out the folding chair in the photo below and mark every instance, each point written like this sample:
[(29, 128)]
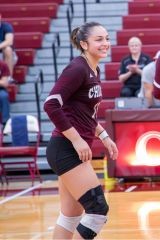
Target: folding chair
[(19, 153)]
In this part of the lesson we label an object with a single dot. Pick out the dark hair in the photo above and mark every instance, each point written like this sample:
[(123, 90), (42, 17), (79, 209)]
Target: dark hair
[(82, 33)]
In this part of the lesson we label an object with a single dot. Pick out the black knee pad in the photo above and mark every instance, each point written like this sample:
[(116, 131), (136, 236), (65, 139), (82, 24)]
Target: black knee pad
[(94, 202), (96, 208)]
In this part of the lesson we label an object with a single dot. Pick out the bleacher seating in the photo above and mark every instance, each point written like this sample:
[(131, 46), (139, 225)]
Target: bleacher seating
[(30, 20), (143, 7), (20, 73), (29, 10), (111, 70), (147, 36), (12, 90), (32, 24), (28, 40), (142, 21), (25, 56), (111, 89)]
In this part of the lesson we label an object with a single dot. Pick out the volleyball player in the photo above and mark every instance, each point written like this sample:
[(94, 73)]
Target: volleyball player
[(72, 106)]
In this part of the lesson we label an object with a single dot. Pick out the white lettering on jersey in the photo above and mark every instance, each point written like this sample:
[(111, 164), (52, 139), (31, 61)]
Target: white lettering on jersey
[(95, 92)]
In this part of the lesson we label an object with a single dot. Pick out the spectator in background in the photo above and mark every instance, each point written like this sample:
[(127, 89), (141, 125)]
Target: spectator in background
[(147, 79), (4, 97), (156, 91), (131, 68), (7, 45)]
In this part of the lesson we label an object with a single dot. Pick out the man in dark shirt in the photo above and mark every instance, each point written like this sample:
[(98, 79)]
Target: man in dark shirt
[(4, 98), (6, 44), (131, 68)]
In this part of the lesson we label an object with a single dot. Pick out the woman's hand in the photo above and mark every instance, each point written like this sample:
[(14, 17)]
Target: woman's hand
[(83, 149), (80, 145), (111, 147)]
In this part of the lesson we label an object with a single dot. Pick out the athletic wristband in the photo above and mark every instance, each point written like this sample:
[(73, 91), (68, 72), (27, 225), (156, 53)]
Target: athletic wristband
[(103, 135)]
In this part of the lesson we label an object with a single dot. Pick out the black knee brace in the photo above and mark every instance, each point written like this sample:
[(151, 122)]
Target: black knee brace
[(94, 203)]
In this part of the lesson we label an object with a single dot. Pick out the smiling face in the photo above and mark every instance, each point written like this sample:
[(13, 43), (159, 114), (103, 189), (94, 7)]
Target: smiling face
[(97, 44)]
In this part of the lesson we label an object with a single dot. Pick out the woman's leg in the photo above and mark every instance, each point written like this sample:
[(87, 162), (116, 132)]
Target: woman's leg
[(70, 215), (8, 58), (80, 179), (84, 186)]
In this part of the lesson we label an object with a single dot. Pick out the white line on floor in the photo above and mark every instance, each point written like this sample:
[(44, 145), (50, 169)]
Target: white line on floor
[(7, 199), (130, 189)]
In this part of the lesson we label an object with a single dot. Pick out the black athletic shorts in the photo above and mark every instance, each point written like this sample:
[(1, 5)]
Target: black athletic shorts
[(61, 155)]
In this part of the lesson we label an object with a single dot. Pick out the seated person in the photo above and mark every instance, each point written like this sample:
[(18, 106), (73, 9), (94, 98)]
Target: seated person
[(4, 97), (147, 79), (6, 45), (131, 68), (156, 83)]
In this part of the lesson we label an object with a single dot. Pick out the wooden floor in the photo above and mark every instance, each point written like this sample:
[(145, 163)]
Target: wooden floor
[(133, 216)]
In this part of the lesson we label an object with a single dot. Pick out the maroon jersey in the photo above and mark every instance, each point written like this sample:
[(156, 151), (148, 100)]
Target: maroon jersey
[(74, 100), (156, 91), (4, 70)]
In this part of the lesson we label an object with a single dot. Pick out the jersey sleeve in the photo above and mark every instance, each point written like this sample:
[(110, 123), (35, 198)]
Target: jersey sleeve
[(68, 83), (156, 90)]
